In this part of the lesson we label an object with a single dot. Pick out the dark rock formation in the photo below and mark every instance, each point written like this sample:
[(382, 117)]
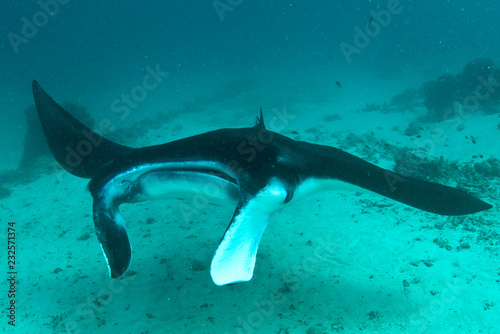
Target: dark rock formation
[(476, 88), (439, 96)]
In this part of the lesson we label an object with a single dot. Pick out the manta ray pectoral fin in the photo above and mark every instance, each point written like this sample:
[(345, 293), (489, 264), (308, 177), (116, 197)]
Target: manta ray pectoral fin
[(77, 148), (325, 162), (234, 259), (112, 235)]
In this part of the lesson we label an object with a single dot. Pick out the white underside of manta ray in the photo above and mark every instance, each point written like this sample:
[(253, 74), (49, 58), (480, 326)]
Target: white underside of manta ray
[(262, 171)]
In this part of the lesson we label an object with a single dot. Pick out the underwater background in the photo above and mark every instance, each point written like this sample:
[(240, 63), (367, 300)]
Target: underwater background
[(412, 86)]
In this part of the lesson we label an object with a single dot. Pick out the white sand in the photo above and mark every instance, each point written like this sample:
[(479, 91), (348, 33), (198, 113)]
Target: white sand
[(336, 262)]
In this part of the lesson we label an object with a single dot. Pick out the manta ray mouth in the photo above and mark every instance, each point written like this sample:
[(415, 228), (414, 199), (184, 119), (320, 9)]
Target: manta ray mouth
[(186, 183), (216, 187), (215, 173)]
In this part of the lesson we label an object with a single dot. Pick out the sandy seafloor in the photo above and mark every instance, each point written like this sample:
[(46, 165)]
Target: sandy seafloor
[(335, 262)]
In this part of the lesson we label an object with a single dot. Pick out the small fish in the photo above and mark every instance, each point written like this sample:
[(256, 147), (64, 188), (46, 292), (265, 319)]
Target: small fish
[(338, 84), (473, 139), (370, 22), (261, 185)]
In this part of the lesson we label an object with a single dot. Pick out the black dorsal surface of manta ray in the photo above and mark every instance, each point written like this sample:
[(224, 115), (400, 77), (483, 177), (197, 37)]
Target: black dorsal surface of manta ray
[(258, 169)]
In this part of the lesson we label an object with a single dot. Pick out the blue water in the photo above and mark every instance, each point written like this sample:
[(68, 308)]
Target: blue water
[(94, 50), (223, 55)]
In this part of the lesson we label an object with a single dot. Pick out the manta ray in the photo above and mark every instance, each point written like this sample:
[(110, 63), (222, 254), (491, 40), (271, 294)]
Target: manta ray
[(260, 170)]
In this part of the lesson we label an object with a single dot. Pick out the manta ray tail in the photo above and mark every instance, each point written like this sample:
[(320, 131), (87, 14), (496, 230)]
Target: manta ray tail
[(77, 148)]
